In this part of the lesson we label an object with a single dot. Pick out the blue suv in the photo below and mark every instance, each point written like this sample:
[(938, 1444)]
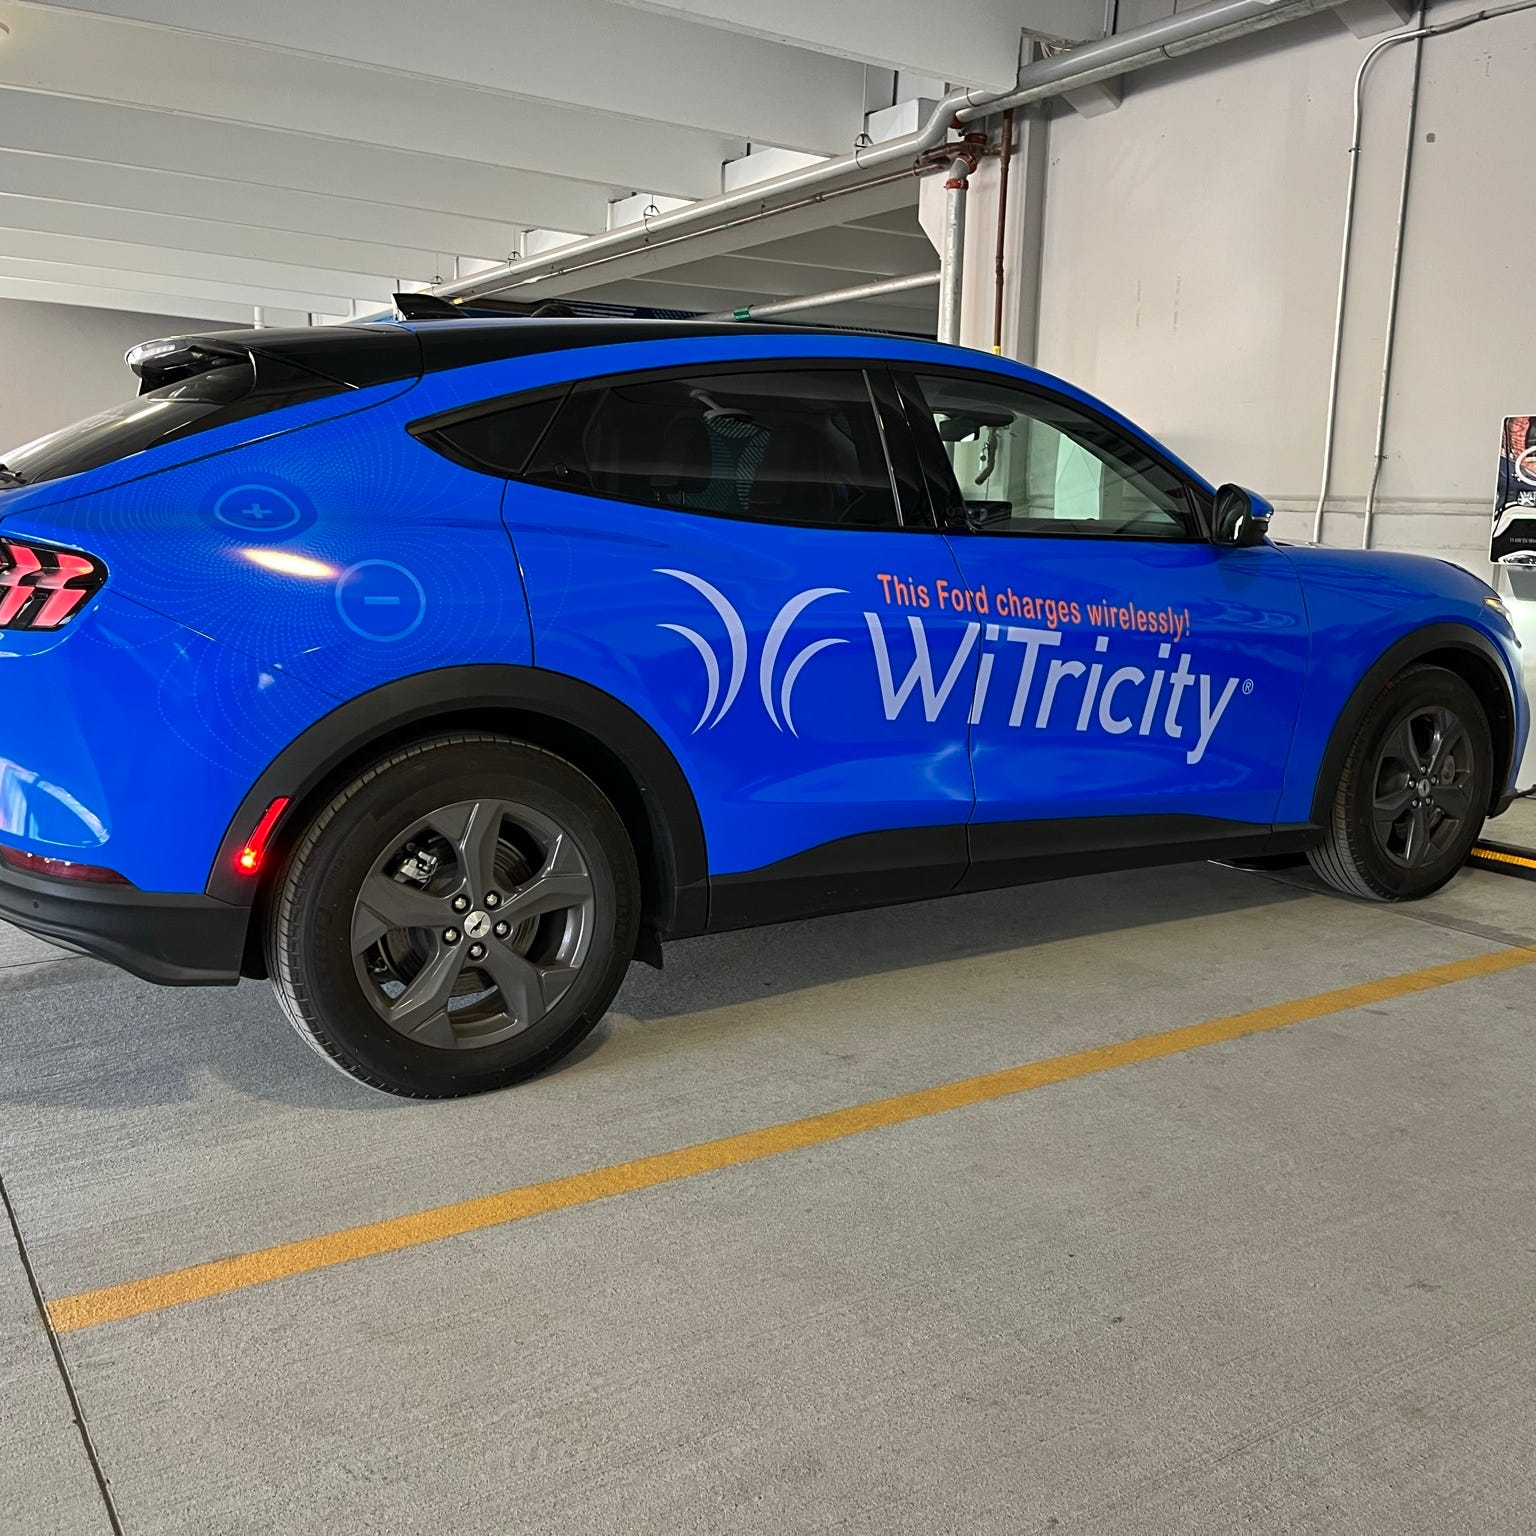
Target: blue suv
[(438, 670)]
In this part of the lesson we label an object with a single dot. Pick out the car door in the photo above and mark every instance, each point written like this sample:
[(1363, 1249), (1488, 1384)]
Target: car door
[(1132, 669), (723, 549)]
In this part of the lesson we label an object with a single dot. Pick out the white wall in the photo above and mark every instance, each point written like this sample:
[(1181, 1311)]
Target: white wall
[(1191, 262), (59, 363)]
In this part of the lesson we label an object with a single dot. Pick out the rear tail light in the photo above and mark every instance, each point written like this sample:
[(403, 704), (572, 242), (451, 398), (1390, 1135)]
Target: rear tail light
[(58, 869), (42, 588)]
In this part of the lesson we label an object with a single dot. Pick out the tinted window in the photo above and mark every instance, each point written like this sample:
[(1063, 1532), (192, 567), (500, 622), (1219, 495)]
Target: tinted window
[(499, 441), (1028, 463), (782, 446), (191, 405)]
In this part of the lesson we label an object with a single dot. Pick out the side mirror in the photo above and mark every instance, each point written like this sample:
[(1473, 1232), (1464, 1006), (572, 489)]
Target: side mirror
[(1241, 518), (987, 514)]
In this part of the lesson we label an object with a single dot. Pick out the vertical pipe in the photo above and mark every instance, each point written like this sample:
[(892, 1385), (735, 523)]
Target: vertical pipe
[(1415, 35), (1388, 346), (1003, 163), (952, 257), (258, 316)]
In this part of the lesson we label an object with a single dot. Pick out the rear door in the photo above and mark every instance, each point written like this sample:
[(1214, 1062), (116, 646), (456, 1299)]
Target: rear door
[(724, 549)]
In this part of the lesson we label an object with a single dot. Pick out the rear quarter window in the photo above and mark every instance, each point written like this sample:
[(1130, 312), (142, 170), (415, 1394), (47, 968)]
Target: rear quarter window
[(175, 410)]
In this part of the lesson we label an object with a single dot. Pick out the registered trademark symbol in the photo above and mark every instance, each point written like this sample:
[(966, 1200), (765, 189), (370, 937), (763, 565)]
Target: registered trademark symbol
[(1247, 685)]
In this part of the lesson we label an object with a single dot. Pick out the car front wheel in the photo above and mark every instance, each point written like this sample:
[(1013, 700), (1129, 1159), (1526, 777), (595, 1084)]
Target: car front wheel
[(456, 919), (1414, 792)]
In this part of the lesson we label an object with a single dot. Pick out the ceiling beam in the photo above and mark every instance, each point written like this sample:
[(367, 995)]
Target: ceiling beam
[(63, 53), (779, 279), (102, 295), (110, 134), (332, 291), (881, 315), (967, 42), (51, 216), (586, 53), (735, 237), (356, 217), (165, 295)]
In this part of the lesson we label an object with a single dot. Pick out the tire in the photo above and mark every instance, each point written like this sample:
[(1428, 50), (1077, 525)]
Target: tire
[(456, 919), (1414, 792)]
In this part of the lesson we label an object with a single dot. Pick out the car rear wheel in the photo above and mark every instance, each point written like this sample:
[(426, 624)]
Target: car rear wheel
[(456, 919), (1414, 792)]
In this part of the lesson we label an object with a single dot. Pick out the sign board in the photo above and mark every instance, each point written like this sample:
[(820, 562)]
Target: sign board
[(1514, 506)]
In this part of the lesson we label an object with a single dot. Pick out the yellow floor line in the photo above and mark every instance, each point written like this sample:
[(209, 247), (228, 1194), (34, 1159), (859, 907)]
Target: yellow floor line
[(221, 1276)]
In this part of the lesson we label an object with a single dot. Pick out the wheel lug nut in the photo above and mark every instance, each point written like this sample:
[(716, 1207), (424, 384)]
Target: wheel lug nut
[(477, 951), (461, 903), (450, 936), (503, 929), (492, 899)]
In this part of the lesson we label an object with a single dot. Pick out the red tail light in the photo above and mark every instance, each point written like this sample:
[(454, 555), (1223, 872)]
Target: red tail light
[(42, 588)]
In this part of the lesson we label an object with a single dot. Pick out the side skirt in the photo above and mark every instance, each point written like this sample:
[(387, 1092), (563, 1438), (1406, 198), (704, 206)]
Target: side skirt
[(880, 869)]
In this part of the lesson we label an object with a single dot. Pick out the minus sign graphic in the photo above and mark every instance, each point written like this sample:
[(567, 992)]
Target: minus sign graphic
[(381, 602)]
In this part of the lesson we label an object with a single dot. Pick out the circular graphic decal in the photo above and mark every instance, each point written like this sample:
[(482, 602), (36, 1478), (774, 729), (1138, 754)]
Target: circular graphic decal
[(380, 600), (262, 510), (1525, 466)]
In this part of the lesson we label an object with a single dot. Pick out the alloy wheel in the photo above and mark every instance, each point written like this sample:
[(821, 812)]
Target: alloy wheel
[(1422, 790), (472, 924)]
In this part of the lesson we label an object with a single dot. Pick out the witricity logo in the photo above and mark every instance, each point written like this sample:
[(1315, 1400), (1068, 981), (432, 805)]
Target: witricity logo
[(1091, 695), (736, 635)]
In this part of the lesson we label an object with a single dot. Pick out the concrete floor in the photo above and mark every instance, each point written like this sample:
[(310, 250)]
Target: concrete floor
[(1285, 1283)]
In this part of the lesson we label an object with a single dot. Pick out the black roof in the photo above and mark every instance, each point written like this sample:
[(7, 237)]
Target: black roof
[(378, 352), (457, 343)]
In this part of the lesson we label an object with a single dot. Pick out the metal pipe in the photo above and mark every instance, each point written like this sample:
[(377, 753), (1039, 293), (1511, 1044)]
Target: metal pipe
[(1165, 38), (848, 295), (1004, 161), (749, 218), (1395, 286), (1172, 37), (952, 253), (1347, 242)]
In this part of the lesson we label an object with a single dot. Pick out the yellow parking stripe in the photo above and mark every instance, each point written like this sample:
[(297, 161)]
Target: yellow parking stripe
[(221, 1276)]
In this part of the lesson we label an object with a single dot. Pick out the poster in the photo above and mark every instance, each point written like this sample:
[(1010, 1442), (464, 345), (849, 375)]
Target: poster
[(1514, 506)]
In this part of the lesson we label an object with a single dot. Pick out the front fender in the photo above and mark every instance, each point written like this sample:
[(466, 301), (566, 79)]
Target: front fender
[(1323, 739)]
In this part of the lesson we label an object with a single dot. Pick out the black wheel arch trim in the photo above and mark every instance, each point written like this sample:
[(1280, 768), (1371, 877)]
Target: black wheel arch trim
[(676, 888), (1431, 640)]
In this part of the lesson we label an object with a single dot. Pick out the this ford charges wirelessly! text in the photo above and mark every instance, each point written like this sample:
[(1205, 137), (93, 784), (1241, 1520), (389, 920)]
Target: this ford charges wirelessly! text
[(437, 670)]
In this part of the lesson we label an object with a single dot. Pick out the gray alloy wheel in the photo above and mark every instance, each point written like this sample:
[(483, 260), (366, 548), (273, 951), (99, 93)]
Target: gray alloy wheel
[(457, 917), (473, 924), (1422, 792), (1415, 788)]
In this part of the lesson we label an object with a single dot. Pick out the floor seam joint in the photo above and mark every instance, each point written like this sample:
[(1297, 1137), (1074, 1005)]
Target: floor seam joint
[(103, 1485)]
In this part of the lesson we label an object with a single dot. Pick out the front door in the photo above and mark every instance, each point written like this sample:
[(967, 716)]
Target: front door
[(1129, 668)]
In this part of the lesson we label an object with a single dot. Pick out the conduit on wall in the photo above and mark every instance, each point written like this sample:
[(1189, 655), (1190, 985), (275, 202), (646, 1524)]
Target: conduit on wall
[(1416, 35)]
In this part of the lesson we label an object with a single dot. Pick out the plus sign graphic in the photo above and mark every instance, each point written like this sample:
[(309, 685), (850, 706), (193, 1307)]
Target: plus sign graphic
[(261, 509)]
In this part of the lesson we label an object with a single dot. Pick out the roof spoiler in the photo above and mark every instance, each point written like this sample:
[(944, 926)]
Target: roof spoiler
[(174, 358), (350, 357)]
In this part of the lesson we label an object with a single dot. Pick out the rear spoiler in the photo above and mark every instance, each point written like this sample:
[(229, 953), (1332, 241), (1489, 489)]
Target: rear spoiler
[(348, 357), (174, 358)]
